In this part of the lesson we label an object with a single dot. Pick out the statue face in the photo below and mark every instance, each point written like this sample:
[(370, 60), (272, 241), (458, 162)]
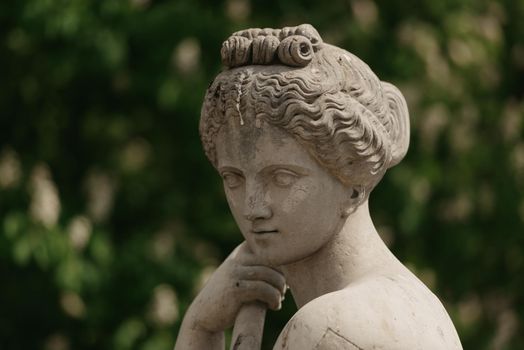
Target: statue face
[(286, 205)]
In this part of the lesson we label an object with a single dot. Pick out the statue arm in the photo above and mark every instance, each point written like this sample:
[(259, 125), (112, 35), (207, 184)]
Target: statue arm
[(375, 313), (239, 280), (191, 337)]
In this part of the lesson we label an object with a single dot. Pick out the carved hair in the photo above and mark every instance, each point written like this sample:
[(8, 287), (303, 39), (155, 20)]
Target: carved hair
[(326, 98)]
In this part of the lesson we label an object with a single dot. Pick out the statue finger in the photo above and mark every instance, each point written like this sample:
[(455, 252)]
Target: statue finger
[(258, 290), (264, 273)]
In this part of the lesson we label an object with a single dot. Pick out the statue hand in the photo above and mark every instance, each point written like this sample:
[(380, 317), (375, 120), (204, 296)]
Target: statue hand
[(240, 279)]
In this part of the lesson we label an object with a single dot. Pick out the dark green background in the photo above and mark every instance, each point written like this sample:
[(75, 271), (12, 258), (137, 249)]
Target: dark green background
[(100, 100)]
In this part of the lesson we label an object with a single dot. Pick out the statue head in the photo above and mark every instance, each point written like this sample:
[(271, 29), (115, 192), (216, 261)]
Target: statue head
[(327, 99)]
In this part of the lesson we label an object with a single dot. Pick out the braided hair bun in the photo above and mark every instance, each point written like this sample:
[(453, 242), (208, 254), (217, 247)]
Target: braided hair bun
[(291, 46)]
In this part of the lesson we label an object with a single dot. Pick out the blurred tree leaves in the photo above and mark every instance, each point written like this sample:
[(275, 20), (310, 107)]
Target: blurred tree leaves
[(111, 218)]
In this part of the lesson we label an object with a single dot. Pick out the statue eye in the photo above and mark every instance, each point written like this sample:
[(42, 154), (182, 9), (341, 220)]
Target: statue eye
[(284, 178), (231, 180)]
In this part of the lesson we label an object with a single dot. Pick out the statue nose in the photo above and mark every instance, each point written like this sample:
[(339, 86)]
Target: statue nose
[(257, 204)]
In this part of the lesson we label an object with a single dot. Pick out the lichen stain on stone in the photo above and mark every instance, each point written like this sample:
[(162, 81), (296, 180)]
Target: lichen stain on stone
[(238, 342), (297, 196), (238, 87)]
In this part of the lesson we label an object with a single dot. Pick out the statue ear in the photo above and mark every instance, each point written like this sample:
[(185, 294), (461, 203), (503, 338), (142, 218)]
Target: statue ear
[(399, 116), (357, 196)]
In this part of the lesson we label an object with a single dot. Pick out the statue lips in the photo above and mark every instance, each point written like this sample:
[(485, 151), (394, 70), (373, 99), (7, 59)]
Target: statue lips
[(260, 231)]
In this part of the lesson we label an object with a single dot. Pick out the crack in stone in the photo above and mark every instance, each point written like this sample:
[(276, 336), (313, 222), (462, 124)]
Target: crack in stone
[(330, 330)]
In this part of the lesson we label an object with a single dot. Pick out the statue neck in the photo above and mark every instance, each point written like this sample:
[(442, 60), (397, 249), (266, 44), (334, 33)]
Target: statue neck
[(354, 252)]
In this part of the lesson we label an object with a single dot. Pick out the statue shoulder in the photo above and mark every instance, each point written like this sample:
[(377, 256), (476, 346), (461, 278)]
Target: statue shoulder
[(338, 320), (374, 313)]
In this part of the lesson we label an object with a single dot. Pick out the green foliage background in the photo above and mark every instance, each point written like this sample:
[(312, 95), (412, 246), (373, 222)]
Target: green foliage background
[(111, 217)]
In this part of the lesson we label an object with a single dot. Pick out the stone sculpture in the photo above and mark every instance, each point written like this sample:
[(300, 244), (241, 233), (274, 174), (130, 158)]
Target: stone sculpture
[(301, 132)]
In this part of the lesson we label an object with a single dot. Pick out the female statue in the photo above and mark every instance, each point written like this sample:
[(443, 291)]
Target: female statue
[(301, 132)]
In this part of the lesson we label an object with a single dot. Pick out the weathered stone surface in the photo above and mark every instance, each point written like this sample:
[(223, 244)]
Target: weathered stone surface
[(301, 132)]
